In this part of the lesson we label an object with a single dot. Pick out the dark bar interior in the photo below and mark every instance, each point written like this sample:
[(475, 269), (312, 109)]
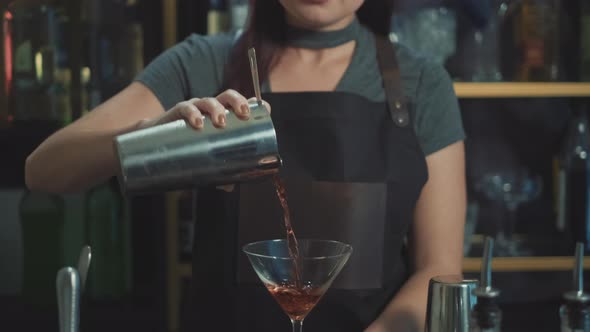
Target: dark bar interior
[(521, 75)]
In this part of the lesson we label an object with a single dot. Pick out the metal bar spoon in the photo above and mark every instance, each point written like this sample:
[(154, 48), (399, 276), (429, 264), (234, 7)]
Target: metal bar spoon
[(255, 78)]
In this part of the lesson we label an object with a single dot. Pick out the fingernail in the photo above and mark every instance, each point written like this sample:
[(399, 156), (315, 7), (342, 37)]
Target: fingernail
[(199, 122), (221, 119), (245, 109)]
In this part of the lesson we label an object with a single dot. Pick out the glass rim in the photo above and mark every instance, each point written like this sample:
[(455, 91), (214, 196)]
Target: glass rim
[(347, 249)]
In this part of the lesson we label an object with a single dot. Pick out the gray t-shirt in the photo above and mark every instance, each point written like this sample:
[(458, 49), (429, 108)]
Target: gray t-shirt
[(194, 68)]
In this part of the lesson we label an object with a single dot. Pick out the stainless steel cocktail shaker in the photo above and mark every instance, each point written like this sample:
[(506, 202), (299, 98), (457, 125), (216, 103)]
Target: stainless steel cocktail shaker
[(450, 301), (176, 156)]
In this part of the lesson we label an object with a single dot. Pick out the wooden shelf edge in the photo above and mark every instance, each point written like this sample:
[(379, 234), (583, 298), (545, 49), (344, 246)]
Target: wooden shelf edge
[(473, 264), (522, 90), (524, 264)]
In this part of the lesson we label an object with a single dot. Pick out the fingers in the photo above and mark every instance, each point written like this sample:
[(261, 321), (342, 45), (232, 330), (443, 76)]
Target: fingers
[(144, 123), (193, 110), (234, 100), (191, 113), (213, 108), (264, 103)]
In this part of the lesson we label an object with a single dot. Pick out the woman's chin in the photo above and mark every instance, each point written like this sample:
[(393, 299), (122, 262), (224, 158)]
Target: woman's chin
[(321, 14), (320, 20)]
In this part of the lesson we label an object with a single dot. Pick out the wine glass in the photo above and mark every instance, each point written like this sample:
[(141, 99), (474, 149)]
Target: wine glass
[(297, 284), (511, 189)]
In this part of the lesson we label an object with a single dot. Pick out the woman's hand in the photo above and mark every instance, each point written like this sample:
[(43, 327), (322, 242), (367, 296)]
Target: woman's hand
[(195, 110)]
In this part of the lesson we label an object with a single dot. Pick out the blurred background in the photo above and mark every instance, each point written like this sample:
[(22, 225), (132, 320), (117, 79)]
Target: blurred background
[(527, 150)]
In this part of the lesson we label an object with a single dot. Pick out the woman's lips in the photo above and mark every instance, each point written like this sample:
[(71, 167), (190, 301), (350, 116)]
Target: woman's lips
[(314, 2)]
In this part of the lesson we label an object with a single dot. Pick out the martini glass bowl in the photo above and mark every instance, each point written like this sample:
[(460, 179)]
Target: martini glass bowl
[(297, 284), (511, 188)]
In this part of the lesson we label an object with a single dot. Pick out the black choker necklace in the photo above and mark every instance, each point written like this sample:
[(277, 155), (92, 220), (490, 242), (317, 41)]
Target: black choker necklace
[(304, 38)]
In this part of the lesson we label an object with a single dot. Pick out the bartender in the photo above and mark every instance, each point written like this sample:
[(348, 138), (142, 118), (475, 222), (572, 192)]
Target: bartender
[(372, 142)]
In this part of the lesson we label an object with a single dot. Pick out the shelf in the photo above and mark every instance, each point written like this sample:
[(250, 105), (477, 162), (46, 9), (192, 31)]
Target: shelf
[(473, 264), (522, 90), (524, 264)]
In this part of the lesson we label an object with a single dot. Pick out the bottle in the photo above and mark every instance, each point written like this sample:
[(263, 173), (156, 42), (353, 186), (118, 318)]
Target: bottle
[(85, 91), (61, 84), (59, 93), (93, 94), (107, 229), (585, 41), (130, 48), (217, 18), (238, 14), (574, 313), (537, 37), (42, 218), (486, 315), (573, 190), (119, 46), (6, 36), (485, 47), (38, 53)]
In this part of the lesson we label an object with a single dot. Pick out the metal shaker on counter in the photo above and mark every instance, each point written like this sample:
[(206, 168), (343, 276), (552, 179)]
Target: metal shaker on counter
[(176, 156), (450, 302)]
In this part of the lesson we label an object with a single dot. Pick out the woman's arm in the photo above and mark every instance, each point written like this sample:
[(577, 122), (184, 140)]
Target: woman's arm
[(82, 154), (436, 240)]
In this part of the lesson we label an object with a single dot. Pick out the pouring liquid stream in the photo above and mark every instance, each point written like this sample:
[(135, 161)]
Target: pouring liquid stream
[(291, 238)]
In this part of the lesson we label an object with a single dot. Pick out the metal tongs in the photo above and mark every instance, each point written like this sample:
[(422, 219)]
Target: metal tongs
[(70, 284)]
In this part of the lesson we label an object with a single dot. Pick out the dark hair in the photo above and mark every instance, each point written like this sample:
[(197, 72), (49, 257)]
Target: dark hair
[(265, 32)]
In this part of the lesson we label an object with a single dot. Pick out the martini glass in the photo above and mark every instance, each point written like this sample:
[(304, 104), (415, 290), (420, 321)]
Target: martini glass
[(297, 284), (511, 188)]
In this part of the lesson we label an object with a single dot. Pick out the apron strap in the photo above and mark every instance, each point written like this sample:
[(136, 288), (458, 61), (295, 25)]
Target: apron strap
[(397, 102)]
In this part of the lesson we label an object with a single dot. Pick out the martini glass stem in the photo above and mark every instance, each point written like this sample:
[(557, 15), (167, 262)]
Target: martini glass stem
[(509, 232), (297, 325)]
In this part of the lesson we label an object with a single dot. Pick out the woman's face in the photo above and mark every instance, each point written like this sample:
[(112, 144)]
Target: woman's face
[(321, 14)]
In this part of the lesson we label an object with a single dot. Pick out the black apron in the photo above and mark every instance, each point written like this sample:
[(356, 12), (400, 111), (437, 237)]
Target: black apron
[(353, 171)]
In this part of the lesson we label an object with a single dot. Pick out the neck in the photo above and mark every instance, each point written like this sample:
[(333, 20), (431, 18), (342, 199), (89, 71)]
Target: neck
[(321, 56), (321, 40), (340, 24)]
